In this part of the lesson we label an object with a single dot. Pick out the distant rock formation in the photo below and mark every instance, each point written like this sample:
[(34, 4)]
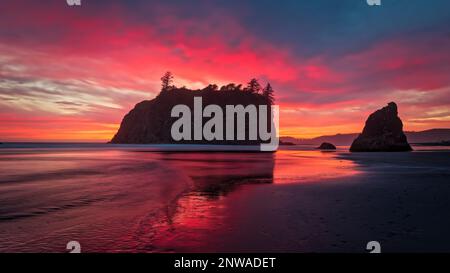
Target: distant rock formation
[(286, 143), (431, 135), (326, 146), (383, 132), (427, 136), (442, 143), (150, 121)]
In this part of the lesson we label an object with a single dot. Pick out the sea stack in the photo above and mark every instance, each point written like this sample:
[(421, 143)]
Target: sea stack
[(383, 132), (150, 121), (326, 146)]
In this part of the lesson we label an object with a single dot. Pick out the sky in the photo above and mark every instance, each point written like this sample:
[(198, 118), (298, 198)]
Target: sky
[(70, 73)]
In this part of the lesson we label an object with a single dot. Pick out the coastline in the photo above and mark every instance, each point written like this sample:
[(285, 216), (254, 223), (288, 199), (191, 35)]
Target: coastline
[(296, 200)]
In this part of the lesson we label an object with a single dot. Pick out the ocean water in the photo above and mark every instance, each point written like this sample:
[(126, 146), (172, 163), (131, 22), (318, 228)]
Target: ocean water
[(137, 198), (119, 198)]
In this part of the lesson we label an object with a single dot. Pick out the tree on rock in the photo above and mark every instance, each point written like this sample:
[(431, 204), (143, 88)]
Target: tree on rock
[(231, 87), (166, 81), (211, 87), (268, 93), (253, 86)]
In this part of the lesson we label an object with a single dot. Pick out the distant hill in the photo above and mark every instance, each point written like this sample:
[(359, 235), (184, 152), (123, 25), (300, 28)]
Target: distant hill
[(427, 136), (433, 135)]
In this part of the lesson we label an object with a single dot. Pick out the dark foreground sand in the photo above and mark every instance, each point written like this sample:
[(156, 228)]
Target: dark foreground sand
[(401, 200)]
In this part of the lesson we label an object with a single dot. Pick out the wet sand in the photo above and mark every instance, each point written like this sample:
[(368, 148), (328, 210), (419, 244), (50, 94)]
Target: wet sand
[(400, 200), (290, 201)]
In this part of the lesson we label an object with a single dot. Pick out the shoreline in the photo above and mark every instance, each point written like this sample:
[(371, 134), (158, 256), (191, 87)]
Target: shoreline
[(289, 201), (405, 211)]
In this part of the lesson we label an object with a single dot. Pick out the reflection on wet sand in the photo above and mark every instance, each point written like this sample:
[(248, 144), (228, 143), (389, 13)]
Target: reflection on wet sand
[(122, 200), (202, 209), (186, 222), (307, 166)]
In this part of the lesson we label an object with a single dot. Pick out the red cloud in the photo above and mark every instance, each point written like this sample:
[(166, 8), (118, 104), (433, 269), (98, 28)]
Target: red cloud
[(109, 56)]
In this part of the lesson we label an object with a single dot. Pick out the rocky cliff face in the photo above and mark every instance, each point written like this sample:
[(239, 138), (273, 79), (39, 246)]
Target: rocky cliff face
[(383, 132), (150, 122)]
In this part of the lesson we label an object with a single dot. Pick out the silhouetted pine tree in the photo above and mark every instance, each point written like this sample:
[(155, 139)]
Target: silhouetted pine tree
[(211, 87), (166, 81), (228, 87), (231, 87), (253, 86), (268, 93)]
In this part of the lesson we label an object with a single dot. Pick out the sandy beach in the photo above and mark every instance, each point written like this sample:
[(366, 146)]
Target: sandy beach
[(296, 200), (400, 200)]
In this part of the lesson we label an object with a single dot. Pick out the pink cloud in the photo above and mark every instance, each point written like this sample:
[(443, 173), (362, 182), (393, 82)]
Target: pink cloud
[(99, 62)]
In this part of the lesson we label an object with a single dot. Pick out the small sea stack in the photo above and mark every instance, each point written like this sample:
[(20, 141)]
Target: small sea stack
[(383, 132), (326, 146)]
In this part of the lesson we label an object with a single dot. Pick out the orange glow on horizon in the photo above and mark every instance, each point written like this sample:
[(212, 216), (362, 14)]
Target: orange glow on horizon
[(105, 132), (72, 74)]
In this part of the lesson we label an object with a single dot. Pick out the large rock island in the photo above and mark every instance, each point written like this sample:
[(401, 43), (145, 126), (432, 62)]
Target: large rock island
[(150, 121), (383, 132)]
